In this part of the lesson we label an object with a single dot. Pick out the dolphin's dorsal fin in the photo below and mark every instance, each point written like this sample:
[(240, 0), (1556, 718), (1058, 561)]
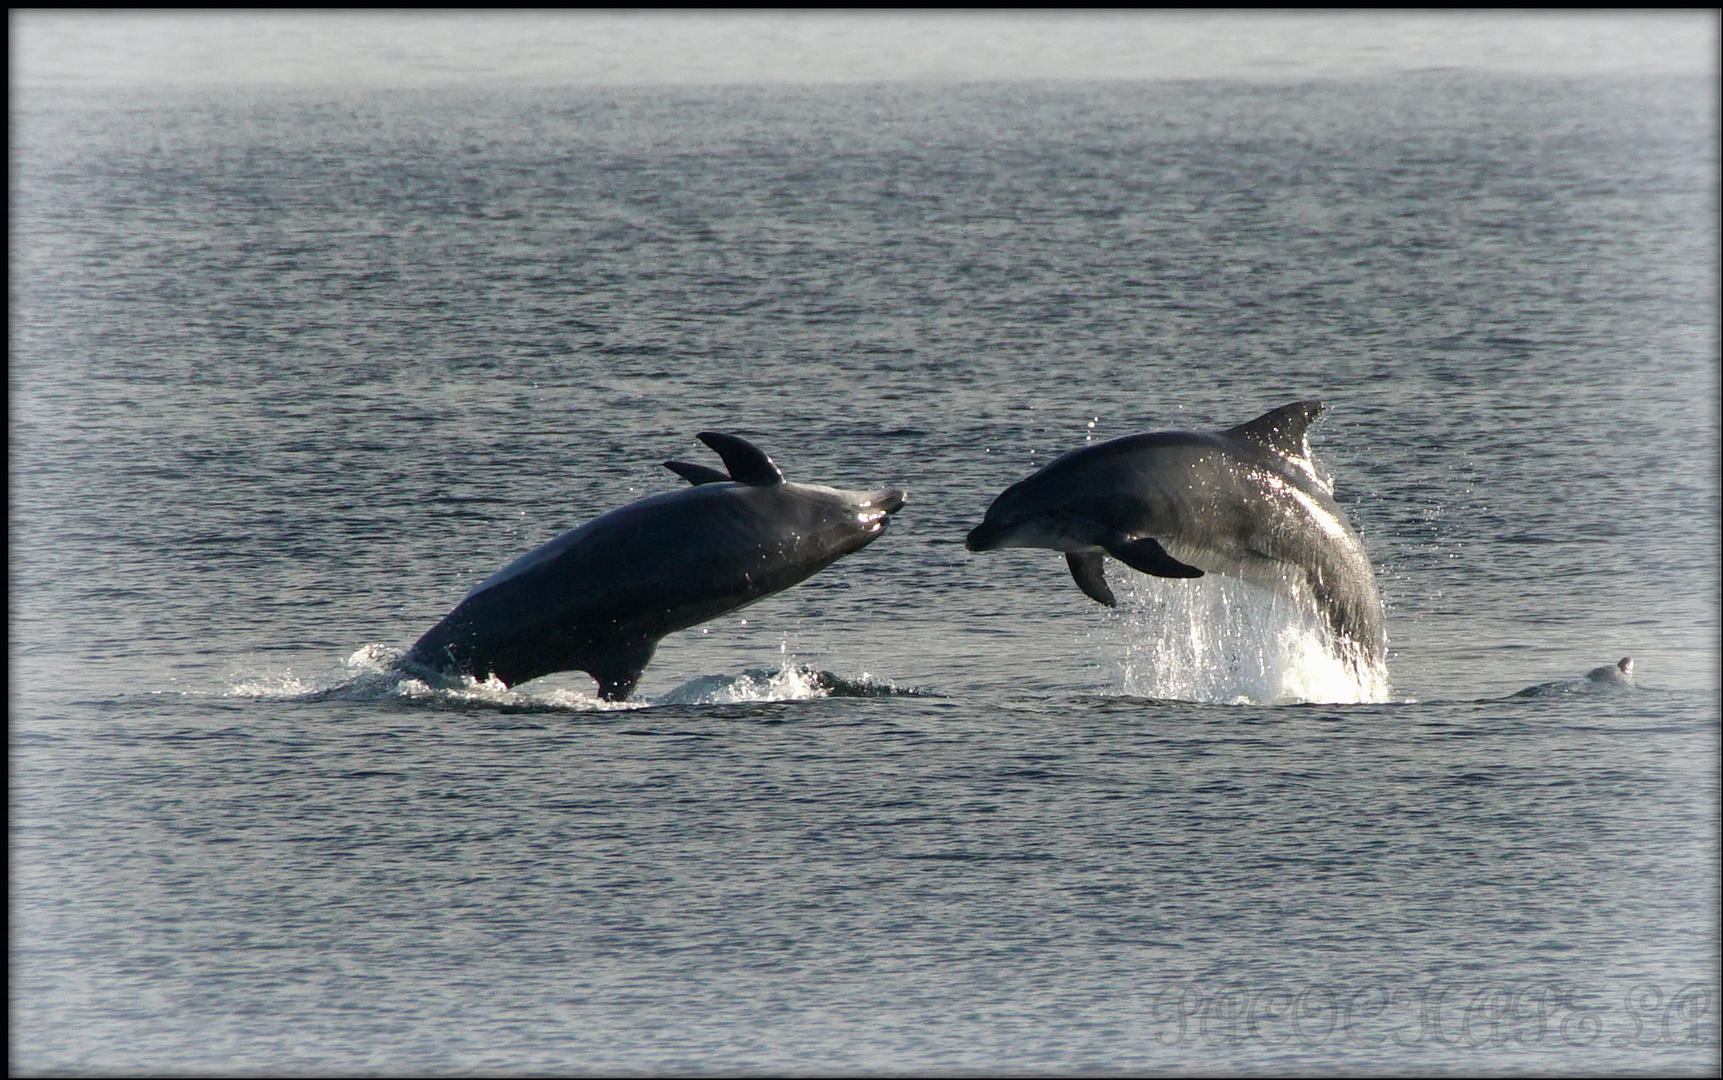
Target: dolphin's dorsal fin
[(1281, 431), (748, 464), (696, 474)]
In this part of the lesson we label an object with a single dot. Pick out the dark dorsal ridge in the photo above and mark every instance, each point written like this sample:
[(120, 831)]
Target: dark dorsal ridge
[(1280, 431), (748, 464), (696, 474)]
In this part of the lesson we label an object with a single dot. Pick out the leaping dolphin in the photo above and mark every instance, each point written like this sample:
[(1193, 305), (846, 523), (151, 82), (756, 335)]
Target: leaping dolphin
[(1246, 502), (599, 598)]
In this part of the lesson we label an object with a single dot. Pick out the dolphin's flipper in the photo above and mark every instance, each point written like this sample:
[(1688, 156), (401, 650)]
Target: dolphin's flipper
[(1281, 430), (1147, 556), (748, 464), (618, 670), (696, 474), (1088, 571)]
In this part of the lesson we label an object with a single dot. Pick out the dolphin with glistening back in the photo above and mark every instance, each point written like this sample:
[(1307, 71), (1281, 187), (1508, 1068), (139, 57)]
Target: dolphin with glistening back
[(1245, 502)]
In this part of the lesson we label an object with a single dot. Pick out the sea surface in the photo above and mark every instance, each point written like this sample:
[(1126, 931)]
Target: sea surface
[(292, 371)]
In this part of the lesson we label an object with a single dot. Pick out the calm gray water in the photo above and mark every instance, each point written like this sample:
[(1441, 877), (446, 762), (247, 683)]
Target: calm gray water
[(291, 373)]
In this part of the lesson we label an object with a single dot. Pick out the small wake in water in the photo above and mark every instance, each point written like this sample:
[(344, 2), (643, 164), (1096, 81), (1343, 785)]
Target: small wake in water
[(1223, 641), (372, 674)]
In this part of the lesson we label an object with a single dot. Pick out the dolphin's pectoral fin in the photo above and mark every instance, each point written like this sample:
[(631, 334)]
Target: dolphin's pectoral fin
[(1146, 555), (696, 474), (618, 670), (1091, 576), (748, 464)]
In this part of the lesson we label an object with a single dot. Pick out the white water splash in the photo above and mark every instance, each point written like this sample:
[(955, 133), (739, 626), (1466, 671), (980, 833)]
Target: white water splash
[(789, 682), (283, 685), (1220, 640), (469, 691), (371, 673)]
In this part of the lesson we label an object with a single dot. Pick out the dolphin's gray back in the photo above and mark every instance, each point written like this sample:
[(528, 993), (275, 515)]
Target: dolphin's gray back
[(599, 597)]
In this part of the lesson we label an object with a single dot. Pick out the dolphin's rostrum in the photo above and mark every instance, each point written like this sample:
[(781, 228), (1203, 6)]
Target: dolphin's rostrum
[(1246, 502), (599, 598)]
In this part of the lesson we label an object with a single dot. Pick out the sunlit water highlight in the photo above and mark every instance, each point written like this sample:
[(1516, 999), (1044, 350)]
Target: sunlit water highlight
[(1219, 640)]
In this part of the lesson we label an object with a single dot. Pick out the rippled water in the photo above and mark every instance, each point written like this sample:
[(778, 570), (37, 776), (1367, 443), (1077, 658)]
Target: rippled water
[(290, 374)]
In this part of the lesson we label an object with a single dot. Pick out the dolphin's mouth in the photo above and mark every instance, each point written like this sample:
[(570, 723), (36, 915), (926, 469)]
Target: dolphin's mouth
[(875, 509)]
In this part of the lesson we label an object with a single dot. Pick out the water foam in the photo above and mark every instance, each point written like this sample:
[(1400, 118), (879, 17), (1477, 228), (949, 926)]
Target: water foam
[(283, 685), (787, 682), (372, 673), (1223, 641)]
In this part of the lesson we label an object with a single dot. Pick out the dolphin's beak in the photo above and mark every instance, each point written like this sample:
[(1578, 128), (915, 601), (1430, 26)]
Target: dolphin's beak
[(890, 500), (984, 537)]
